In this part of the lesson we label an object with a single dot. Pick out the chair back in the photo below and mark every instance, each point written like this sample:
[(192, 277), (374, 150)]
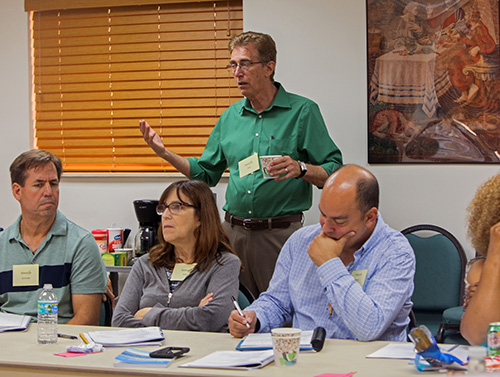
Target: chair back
[(106, 313), (439, 273), (245, 297)]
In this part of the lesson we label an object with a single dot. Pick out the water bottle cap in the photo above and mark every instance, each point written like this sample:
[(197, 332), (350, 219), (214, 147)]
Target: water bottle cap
[(47, 286)]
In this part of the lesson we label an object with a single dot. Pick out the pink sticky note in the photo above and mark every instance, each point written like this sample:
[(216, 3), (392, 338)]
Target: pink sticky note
[(335, 374), (73, 354)]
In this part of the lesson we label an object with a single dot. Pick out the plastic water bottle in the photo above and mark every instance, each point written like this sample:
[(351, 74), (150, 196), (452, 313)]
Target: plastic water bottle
[(47, 315)]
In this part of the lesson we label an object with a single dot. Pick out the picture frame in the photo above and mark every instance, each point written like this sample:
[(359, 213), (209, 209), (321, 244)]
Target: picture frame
[(433, 81)]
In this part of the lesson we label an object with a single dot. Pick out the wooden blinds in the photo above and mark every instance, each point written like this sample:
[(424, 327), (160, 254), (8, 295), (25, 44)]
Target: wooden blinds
[(98, 71)]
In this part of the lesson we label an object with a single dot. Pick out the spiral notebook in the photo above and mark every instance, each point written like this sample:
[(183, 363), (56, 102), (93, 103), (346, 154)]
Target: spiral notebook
[(263, 341), (233, 360), (142, 336)]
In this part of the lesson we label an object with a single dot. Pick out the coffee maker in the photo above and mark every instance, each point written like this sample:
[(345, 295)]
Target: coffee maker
[(149, 220)]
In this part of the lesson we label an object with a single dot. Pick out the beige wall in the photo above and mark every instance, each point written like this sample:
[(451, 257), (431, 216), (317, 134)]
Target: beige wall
[(321, 54)]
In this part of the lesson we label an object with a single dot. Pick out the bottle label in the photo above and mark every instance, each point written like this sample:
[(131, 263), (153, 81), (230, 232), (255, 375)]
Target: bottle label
[(47, 307)]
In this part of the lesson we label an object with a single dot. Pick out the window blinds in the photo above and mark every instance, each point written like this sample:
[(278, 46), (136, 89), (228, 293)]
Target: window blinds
[(98, 71)]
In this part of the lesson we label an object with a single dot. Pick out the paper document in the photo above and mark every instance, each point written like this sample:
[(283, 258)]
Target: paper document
[(129, 337), (407, 351), (12, 322), (233, 360), (263, 341)]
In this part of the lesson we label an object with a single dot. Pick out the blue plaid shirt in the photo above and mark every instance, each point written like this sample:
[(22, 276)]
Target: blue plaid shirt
[(328, 295)]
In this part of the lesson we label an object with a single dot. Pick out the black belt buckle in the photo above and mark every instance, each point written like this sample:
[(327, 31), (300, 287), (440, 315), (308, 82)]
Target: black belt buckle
[(246, 223)]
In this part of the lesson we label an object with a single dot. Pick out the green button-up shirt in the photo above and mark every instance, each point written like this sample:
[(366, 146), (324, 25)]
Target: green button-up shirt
[(291, 126)]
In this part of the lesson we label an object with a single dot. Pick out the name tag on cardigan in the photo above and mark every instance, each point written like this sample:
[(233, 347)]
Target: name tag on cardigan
[(359, 276), (181, 271), (248, 165), (24, 274)]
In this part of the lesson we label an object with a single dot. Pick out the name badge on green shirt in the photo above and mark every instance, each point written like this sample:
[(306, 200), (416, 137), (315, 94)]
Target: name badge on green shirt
[(181, 271), (248, 165), (24, 274), (359, 276)]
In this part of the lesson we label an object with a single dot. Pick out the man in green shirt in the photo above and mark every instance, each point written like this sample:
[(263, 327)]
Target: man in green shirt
[(261, 213)]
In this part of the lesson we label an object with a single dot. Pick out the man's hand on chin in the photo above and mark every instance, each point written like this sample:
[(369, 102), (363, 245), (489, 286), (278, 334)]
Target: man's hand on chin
[(324, 248)]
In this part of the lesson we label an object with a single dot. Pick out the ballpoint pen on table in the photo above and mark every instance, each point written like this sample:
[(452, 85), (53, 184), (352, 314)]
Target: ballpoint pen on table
[(66, 336), (238, 309)]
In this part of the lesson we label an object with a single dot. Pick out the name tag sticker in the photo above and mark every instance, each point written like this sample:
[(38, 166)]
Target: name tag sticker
[(24, 275), (181, 271), (248, 165), (359, 276)]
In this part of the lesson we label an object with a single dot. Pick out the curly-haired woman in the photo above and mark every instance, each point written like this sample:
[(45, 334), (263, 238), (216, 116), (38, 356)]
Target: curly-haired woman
[(483, 277)]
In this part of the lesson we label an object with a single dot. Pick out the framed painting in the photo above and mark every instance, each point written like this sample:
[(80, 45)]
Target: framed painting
[(433, 81)]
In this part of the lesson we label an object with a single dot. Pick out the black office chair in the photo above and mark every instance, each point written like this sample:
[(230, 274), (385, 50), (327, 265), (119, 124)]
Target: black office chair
[(439, 276)]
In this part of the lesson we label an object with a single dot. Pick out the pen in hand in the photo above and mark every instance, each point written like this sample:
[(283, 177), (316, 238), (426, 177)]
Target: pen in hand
[(238, 309)]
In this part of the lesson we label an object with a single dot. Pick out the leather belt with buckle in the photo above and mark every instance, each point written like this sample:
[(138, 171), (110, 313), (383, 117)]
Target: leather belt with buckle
[(264, 223)]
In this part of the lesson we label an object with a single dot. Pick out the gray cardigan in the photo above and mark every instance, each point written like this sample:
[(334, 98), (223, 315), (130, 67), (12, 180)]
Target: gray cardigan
[(148, 286)]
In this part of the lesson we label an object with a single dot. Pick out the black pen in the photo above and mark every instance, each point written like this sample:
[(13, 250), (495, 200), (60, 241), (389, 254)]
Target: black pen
[(66, 336), (452, 347), (238, 309)]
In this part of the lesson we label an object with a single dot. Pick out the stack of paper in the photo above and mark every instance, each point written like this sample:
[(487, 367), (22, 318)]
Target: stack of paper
[(233, 360), (407, 351), (11, 322), (132, 357), (143, 336), (263, 341)]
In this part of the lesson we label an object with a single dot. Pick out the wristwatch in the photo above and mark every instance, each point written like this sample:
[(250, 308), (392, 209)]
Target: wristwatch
[(303, 169)]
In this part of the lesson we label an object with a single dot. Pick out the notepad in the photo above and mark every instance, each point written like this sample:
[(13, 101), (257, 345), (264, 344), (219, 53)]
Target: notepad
[(407, 351), (263, 341), (14, 322), (233, 360), (142, 336), (132, 357)]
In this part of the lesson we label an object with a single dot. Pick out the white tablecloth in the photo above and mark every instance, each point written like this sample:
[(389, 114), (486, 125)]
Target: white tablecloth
[(408, 79)]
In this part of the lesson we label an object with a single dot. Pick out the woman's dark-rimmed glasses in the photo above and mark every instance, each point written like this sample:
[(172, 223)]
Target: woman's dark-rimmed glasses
[(174, 208)]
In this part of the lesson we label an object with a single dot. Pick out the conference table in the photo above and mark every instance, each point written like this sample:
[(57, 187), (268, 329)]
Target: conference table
[(22, 356)]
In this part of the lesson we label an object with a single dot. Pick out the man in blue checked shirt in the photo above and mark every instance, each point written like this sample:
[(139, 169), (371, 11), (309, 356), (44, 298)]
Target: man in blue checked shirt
[(351, 274)]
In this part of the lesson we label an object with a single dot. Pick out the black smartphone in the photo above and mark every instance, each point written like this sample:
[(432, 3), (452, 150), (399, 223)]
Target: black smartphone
[(169, 352)]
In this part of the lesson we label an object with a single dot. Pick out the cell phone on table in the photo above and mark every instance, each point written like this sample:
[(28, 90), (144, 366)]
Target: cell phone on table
[(169, 352)]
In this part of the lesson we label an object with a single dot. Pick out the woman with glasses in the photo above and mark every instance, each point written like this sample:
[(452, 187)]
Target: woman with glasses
[(187, 280)]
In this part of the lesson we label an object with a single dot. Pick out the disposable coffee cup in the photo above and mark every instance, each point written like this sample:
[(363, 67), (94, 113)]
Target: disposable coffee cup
[(265, 161), (286, 346)]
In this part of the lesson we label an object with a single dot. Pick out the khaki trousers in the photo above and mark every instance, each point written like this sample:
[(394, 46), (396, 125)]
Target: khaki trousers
[(258, 251)]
